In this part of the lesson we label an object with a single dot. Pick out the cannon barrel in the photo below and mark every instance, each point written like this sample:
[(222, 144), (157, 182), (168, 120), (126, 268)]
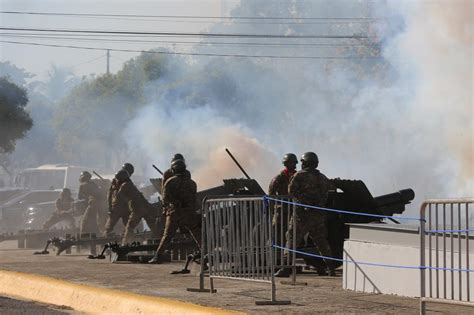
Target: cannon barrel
[(394, 202)]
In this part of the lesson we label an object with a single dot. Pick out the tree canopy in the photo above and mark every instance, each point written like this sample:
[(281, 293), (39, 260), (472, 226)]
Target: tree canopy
[(88, 122), (15, 121)]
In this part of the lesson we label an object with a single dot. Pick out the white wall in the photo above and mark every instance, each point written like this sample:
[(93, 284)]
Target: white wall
[(403, 282)]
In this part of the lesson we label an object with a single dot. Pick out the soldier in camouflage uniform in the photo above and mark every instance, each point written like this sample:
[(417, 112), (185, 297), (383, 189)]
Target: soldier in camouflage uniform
[(310, 187), (169, 172), (89, 193), (139, 207), (279, 187), (179, 199), (118, 208), (63, 211)]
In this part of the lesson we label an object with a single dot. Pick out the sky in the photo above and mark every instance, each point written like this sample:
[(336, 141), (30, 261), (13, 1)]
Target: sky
[(38, 60)]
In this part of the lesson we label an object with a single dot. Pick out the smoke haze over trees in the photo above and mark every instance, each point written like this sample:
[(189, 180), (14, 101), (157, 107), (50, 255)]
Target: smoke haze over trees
[(394, 109)]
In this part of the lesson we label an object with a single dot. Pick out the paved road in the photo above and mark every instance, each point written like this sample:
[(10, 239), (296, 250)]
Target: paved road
[(9, 306), (321, 294)]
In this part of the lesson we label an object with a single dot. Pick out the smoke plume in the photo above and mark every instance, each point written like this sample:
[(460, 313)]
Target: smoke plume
[(402, 120)]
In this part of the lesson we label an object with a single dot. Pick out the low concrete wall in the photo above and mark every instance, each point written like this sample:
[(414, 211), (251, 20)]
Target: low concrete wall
[(93, 300), (401, 248)]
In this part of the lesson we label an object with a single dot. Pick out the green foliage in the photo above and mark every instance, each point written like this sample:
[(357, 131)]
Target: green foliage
[(89, 120), (14, 120)]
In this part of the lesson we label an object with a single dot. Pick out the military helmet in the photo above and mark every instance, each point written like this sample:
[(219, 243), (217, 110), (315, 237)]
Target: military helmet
[(129, 168), (290, 157), (177, 156), (310, 157), (178, 166), (66, 191), (122, 175), (85, 176)]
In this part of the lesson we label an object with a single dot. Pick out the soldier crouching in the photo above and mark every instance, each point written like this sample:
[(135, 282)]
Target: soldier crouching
[(139, 207), (63, 211), (118, 207)]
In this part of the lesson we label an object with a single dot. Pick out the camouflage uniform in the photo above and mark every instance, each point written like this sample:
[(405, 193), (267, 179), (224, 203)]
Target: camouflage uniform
[(90, 192), (63, 213), (139, 208), (118, 208), (279, 187), (310, 187), (168, 174), (179, 199)]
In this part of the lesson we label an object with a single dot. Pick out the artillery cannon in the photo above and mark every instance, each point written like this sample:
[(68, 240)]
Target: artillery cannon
[(354, 196)]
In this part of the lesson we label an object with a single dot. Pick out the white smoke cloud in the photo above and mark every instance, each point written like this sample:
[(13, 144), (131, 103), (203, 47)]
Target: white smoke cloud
[(403, 121)]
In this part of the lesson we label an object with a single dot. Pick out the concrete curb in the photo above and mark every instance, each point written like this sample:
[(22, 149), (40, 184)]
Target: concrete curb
[(93, 300)]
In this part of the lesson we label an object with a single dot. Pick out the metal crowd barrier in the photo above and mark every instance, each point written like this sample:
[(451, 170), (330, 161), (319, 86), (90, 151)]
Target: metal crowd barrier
[(446, 241), (238, 238)]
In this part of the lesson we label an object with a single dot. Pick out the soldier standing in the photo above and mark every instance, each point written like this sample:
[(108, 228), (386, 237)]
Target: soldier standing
[(118, 208), (279, 187), (310, 187), (179, 200), (139, 207), (63, 211), (169, 172)]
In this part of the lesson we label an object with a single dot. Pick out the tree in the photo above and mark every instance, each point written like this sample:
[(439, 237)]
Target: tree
[(14, 120), (89, 121)]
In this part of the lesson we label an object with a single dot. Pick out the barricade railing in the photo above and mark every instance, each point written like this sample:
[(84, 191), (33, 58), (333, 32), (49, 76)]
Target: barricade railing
[(446, 241), (238, 237)]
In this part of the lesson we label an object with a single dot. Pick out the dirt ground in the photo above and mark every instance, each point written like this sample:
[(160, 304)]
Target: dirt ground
[(321, 295)]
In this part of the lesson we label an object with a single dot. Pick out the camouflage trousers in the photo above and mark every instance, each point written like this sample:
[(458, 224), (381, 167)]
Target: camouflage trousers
[(146, 212), (280, 223), (186, 221), (58, 217), (89, 222), (310, 223), (114, 216)]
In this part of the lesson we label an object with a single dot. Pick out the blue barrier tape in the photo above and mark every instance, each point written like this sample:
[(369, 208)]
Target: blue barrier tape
[(449, 231), (371, 264), (343, 211)]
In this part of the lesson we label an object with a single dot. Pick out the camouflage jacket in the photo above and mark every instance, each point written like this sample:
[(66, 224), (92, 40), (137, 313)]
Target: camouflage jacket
[(112, 196), (168, 174), (129, 193), (63, 204), (179, 193), (89, 191), (310, 187), (279, 183)]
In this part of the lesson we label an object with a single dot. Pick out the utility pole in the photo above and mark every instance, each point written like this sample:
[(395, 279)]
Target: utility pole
[(108, 61)]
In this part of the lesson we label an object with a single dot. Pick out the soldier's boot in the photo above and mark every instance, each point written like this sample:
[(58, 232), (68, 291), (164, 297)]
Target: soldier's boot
[(331, 268), (155, 260), (283, 273), (321, 271)]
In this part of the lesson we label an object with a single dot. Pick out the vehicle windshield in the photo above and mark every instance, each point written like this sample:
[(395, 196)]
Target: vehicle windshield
[(41, 179)]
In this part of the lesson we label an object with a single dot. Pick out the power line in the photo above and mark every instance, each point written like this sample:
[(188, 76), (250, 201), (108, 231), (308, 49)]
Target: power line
[(191, 53), (227, 21), (185, 34), (187, 16), (88, 61), (186, 43)]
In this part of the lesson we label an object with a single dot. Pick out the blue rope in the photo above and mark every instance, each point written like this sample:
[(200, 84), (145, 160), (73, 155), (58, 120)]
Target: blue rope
[(371, 264), (343, 211), (449, 231)]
